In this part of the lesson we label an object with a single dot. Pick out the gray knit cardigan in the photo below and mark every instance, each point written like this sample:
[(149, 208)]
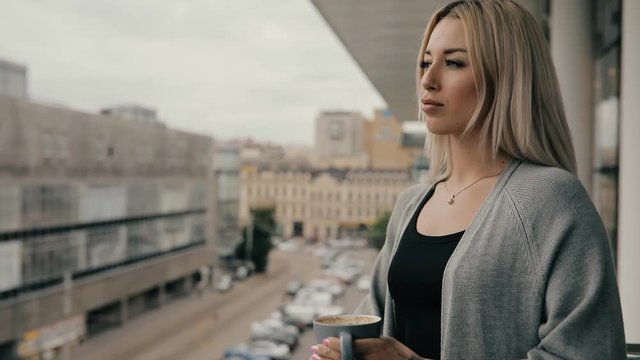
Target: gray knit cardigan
[(532, 277)]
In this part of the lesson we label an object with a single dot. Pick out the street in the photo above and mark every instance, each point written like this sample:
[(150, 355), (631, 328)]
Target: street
[(201, 327)]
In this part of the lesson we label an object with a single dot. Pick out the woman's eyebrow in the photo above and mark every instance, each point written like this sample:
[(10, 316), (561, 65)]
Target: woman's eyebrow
[(448, 51)]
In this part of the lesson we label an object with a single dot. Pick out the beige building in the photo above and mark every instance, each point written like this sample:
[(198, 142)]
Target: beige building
[(386, 146), (358, 168), (347, 140), (321, 204), (101, 219)]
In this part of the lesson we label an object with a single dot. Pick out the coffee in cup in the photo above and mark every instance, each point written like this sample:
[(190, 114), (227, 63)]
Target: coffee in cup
[(347, 327)]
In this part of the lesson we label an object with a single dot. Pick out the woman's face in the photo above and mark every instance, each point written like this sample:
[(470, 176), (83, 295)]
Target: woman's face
[(449, 94)]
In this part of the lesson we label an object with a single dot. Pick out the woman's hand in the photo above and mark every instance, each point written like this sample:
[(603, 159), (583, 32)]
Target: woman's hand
[(384, 348)]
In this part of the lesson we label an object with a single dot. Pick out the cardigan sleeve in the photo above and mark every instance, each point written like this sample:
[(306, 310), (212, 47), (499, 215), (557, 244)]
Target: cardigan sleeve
[(582, 316)]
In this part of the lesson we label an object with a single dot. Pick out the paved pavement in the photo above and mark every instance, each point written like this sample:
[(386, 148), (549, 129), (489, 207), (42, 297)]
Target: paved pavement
[(201, 327)]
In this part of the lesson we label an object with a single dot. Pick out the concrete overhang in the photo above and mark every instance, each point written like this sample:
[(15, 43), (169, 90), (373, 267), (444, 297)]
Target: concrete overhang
[(383, 37)]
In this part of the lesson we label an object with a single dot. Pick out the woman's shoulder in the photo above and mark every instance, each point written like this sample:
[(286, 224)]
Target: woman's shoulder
[(549, 192), (539, 182)]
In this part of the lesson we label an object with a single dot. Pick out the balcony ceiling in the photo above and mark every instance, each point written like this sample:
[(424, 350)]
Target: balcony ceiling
[(383, 37)]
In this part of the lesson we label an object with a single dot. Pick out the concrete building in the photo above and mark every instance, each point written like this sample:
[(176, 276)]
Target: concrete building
[(13, 80), (339, 140), (101, 219), (595, 49), (321, 204), (131, 112), (274, 156), (227, 174)]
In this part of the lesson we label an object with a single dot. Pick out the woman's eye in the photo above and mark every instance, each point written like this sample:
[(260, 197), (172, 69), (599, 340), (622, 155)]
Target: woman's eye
[(425, 64), (455, 63)]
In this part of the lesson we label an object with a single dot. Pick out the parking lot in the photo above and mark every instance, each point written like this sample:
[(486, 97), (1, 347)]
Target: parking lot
[(286, 333), (203, 326)]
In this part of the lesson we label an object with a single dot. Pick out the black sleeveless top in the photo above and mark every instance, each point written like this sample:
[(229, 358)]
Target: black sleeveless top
[(415, 284)]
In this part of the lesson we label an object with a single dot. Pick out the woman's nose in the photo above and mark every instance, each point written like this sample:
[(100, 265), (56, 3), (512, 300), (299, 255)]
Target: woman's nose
[(430, 80)]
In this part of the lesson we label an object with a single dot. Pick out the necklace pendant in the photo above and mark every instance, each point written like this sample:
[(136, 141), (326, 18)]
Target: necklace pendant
[(450, 201)]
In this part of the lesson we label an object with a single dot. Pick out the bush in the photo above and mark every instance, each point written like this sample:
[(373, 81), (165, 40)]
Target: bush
[(378, 231), (264, 226)]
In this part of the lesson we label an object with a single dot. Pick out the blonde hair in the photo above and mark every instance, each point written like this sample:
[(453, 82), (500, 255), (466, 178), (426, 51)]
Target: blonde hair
[(519, 110)]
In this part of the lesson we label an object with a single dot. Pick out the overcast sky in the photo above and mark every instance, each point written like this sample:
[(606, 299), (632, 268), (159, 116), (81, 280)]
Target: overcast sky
[(227, 68)]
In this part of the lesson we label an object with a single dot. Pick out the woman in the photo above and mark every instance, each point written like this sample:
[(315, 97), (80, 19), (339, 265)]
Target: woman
[(502, 255)]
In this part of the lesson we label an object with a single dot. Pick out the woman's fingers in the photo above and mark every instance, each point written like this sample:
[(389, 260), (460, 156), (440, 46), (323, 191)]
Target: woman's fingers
[(383, 348), (366, 346), (329, 349), (333, 343)]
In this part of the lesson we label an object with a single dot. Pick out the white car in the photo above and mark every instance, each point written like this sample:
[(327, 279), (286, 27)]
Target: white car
[(301, 313), (270, 349), (224, 283), (270, 325), (259, 349), (308, 296), (327, 285)]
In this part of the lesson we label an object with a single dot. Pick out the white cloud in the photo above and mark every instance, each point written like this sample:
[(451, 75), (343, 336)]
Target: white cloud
[(260, 68)]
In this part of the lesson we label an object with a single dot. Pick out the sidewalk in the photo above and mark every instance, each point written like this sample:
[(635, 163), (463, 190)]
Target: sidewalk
[(147, 329)]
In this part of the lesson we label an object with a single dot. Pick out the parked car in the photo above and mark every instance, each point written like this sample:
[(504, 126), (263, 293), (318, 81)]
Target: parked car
[(238, 355), (278, 337), (270, 349), (242, 352), (273, 324), (293, 286), (327, 285), (241, 273), (313, 297), (288, 319), (224, 284), (300, 312)]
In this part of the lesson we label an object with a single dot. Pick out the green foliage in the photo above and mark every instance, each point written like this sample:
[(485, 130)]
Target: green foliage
[(264, 226), (377, 232)]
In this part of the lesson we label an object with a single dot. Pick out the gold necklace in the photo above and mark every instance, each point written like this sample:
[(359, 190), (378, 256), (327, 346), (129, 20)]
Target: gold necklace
[(452, 196)]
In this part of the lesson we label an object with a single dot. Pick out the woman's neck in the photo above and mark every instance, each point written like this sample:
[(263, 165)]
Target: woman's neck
[(469, 161)]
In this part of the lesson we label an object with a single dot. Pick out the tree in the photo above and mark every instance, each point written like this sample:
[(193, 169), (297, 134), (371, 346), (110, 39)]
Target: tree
[(378, 231), (264, 226)]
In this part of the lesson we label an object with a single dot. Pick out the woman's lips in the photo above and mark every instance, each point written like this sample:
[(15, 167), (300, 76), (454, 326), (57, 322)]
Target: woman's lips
[(429, 106)]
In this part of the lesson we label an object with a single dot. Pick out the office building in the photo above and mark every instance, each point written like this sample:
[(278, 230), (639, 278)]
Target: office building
[(227, 175), (13, 80), (339, 140), (101, 219)]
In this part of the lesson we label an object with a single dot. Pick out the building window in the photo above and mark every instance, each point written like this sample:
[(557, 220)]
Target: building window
[(46, 146), (336, 130), (111, 151)]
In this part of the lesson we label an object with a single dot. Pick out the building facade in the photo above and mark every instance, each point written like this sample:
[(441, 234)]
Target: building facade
[(101, 219), (227, 175), (339, 140), (386, 146), (321, 204), (13, 80)]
